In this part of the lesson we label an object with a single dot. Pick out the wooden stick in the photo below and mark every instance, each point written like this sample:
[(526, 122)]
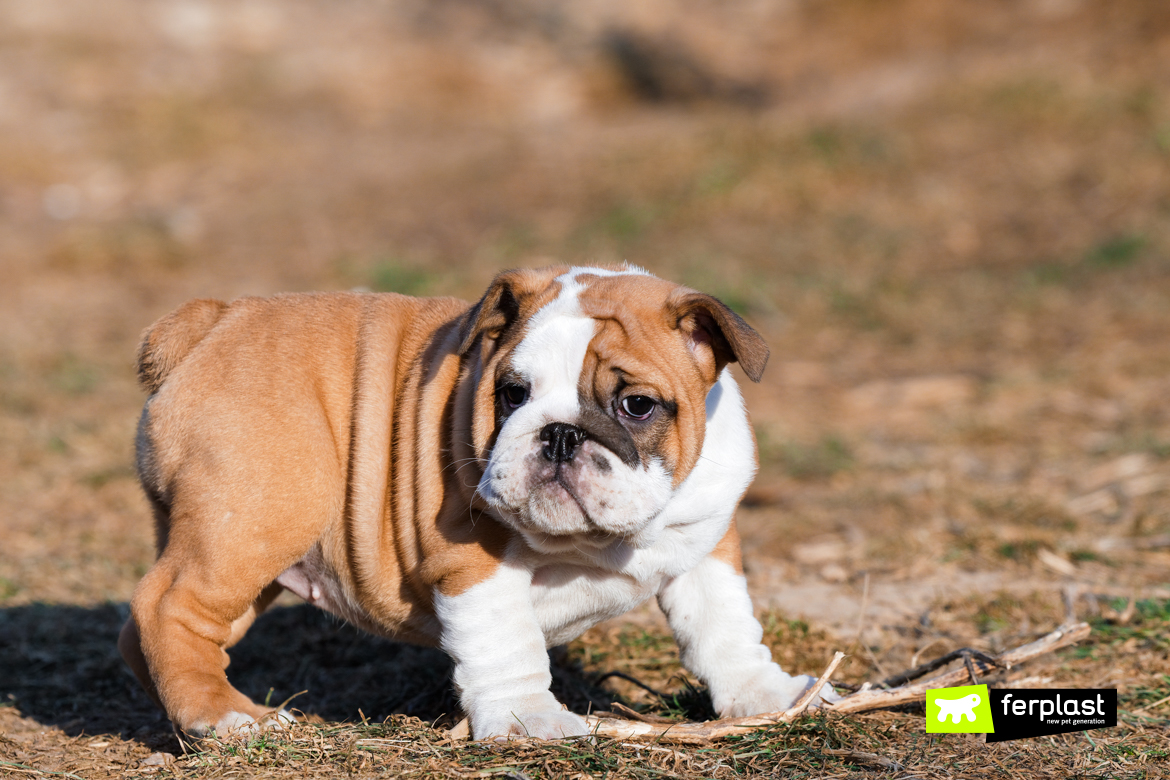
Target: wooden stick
[(696, 733), (862, 701), (874, 699)]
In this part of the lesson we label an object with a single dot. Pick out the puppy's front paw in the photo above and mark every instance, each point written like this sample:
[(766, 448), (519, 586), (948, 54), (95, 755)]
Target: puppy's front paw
[(240, 723), (826, 695), (544, 719), (768, 690)]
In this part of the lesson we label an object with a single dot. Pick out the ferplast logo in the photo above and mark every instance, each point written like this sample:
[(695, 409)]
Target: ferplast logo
[(1019, 713), (962, 710)]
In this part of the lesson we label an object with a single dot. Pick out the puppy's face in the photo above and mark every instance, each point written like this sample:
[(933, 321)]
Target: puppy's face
[(596, 381)]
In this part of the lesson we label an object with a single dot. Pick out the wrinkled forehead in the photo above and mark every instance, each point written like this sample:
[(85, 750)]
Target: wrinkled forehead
[(606, 313), (635, 326), (627, 295)]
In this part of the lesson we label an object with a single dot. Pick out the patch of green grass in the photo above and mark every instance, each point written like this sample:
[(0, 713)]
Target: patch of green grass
[(1147, 693), (778, 628), (1153, 609), (625, 222), (1148, 625), (989, 624), (721, 177), (1116, 252), (1000, 613), (744, 296), (1162, 138), (859, 310), (842, 145), (821, 459), (516, 242), (645, 641), (8, 588), (97, 479), (1153, 444), (1029, 99), (1047, 273), (618, 226), (688, 703), (73, 376), (391, 275), (1018, 551)]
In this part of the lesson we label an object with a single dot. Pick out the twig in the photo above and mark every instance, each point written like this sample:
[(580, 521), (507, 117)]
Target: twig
[(970, 667), (33, 770), (938, 663), (630, 714), (862, 701), (630, 679), (1149, 707), (1069, 596), (874, 699), (698, 733), (865, 758)]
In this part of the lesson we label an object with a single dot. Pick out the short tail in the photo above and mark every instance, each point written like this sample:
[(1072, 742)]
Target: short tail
[(168, 341)]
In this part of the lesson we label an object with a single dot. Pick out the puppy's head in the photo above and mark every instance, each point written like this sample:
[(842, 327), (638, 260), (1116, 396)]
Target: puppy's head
[(590, 397)]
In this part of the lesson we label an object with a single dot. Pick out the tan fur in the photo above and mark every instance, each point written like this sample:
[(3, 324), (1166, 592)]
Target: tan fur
[(728, 549), (272, 434), (167, 342), (350, 425)]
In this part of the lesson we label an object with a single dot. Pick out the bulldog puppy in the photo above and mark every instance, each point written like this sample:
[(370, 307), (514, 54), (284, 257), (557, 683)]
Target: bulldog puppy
[(492, 479)]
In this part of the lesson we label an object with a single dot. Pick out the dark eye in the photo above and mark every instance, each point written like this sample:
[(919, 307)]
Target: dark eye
[(639, 407), (513, 396)]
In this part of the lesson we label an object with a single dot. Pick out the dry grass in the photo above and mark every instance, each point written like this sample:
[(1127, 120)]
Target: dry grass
[(949, 220), (75, 711)]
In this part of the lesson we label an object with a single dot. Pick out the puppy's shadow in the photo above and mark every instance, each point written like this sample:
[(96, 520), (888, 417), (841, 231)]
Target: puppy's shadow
[(60, 666), (344, 672)]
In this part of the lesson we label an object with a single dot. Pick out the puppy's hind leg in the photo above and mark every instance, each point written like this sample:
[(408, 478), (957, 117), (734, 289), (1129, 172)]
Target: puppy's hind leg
[(130, 643), (186, 612)]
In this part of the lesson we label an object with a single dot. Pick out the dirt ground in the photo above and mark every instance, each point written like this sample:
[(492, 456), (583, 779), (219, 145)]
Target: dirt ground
[(950, 219)]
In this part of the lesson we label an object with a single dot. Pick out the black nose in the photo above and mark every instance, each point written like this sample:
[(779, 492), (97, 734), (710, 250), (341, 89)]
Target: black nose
[(561, 441)]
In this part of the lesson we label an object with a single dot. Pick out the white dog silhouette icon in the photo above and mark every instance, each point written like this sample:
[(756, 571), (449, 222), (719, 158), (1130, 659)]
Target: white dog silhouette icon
[(957, 708)]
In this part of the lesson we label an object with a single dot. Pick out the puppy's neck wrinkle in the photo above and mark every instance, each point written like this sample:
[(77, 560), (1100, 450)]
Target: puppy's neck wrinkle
[(401, 537)]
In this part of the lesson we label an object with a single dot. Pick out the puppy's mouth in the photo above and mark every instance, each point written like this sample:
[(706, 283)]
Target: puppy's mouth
[(585, 532), (559, 480), (587, 501)]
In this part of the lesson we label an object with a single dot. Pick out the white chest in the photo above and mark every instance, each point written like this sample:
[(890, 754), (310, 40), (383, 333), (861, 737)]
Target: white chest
[(570, 599)]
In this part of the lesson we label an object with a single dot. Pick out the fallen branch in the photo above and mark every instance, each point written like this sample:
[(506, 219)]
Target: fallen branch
[(861, 701), (918, 671), (692, 733), (874, 699)]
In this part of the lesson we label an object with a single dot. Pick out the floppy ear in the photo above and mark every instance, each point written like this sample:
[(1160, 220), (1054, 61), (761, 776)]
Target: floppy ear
[(716, 333), (496, 310)]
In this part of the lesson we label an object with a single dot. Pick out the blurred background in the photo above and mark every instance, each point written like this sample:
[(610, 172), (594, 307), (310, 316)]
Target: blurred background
[(949, 218)]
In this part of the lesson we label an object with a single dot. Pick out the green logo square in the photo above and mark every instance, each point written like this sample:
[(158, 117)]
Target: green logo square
[(962, 710)]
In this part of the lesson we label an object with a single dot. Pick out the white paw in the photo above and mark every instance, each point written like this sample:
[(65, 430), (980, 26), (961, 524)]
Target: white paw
[(241, 723), (825, 696), (276, 719), (503, 723), (768, 690)]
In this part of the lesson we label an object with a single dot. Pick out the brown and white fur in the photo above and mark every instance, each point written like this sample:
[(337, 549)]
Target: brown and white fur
[(482, 478)]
